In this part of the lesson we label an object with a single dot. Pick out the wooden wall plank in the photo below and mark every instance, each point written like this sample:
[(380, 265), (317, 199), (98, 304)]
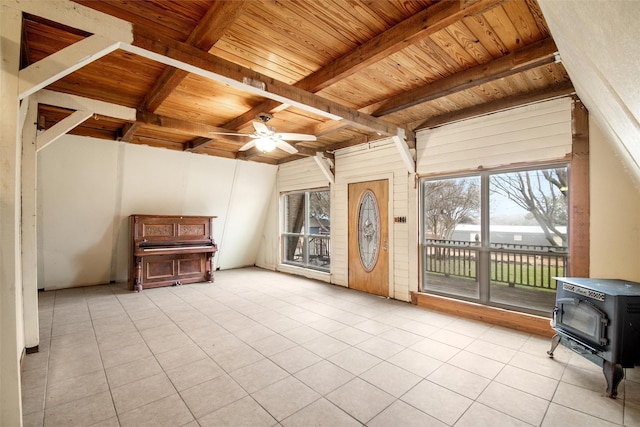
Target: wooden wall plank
[(579, 213)]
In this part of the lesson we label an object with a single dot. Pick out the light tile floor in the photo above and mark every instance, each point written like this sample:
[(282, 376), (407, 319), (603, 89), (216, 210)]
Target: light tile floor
[(258, 348)]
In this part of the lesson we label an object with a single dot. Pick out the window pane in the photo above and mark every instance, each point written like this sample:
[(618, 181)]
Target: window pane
[(319, 212), (319, 255), (293, 249), (528, 236), (451, 236), (294, 215)]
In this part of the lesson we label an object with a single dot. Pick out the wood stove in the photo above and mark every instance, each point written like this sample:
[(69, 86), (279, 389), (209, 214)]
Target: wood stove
[(600, 320)]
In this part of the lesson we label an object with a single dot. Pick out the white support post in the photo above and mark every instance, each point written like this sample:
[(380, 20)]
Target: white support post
[(11, 316), (61, 128), (29, 235)]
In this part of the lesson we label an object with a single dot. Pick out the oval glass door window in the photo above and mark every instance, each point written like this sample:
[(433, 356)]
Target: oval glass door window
[(368, 230)]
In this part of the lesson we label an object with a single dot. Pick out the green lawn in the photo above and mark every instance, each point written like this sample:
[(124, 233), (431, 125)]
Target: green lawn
[(515, 274)]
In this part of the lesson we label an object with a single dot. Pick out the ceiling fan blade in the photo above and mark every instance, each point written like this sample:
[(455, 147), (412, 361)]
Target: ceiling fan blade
[(285, 136), (286, 147), (248, 145), (261, 128)]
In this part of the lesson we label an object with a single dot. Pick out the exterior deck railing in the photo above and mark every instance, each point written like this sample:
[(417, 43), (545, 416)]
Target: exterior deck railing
[(511, 264)]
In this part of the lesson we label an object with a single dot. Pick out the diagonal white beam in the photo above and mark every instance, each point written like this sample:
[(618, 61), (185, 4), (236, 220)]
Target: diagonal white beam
[(62, 63), (61, 128), (74, 102), (322, 163), (403, 150), (22, 113)]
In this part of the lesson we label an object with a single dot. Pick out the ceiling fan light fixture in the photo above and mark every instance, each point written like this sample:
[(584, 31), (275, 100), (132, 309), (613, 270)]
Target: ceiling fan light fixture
[(265, 144)]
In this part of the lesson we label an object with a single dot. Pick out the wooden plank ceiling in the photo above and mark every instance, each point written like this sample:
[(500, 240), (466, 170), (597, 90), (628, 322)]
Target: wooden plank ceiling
[(378, 64)]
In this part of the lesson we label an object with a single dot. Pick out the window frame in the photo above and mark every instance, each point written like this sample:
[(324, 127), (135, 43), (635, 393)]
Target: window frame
[(305, 233), (484, 248)]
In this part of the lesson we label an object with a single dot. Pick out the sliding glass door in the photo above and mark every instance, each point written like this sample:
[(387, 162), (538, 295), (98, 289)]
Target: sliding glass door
[(496, 238)]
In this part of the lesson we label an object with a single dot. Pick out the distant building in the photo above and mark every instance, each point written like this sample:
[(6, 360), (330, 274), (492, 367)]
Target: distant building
[(507, 234)]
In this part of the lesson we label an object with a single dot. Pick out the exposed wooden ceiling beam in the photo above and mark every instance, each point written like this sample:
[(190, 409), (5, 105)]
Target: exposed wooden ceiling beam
[(208, 31), (182, 126), (302, 152), (306, 151), (247, 117), (157, 142), (326, 128), (529, 57), (194, 60), (410, 31), (198, 144), (129, 130), (254, 152), (555, 91), (362, 139), (219, 153), (403, 34)]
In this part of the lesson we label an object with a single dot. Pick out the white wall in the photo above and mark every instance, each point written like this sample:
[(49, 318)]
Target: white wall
[(598, 44), (87, 189), (615, 204)]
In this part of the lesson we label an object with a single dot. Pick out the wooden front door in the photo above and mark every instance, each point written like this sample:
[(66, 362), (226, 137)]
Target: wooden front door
[(369, 237)]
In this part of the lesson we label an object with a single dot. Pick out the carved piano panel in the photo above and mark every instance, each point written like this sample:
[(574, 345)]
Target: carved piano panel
[(170, 250)]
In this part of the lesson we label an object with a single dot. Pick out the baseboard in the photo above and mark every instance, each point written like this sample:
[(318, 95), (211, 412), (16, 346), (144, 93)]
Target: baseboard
[(523, 322)]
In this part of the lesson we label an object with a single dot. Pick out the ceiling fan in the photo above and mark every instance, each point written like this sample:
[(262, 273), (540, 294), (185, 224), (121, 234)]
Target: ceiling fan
[(266, 139)]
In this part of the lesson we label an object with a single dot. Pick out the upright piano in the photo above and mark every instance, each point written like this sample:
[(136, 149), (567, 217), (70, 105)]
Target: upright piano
[(169, 250)]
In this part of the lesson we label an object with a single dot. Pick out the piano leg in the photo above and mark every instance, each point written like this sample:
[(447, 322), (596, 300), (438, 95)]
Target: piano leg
[(210, 277), (138, 285)]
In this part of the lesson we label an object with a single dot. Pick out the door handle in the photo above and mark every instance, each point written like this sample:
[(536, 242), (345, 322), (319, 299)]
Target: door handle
[(384, 248)]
